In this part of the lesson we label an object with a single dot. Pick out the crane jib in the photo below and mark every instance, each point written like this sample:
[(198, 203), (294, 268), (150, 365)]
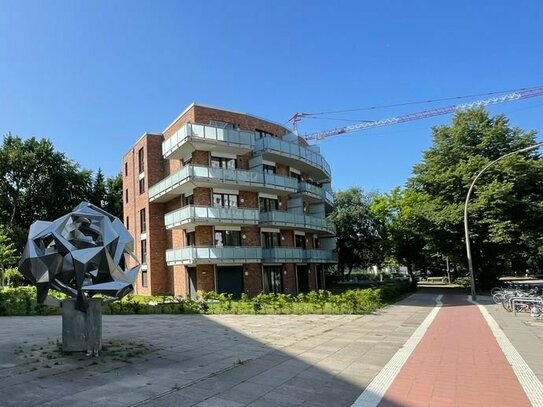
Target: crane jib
[(511, 97)]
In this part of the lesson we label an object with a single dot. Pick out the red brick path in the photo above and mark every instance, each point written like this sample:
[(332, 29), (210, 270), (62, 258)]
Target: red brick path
[(457, 363)]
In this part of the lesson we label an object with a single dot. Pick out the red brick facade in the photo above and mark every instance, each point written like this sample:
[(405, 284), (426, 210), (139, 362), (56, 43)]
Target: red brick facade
[(158, 276)]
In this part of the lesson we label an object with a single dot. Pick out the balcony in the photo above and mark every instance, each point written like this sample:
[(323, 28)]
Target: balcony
[(205, 215), (290, 220), (192, 137), (320, 256), (294, 155), (213, 255), (316, 192), (191, 176), (283, 255)]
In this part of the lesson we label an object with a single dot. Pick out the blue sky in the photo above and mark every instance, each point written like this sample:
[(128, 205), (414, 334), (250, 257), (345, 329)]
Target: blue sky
[(93, 76)]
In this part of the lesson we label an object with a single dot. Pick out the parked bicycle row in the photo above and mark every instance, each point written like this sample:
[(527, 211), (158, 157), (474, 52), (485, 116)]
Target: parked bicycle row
[(515, 299)]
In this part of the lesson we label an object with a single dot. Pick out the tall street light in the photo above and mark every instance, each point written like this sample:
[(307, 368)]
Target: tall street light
[(466, 226)]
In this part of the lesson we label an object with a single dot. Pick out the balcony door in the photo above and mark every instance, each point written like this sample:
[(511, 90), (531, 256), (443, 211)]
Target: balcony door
[(302, 278), (193, 284), (230, 280)]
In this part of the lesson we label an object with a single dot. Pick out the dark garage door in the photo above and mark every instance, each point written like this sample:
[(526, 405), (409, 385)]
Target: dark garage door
[(230, 280)]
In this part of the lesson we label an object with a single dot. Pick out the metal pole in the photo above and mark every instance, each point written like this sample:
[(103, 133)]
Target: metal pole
[(466, 226)]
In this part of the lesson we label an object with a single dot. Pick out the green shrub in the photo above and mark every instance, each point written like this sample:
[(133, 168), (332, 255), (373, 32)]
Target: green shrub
[(463, 281), (13, 277)]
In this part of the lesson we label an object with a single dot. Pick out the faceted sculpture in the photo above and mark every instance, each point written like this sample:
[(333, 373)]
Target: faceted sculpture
[(83, 253)]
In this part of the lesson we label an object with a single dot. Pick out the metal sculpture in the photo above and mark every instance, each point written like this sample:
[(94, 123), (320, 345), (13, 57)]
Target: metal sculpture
[(81, 254)]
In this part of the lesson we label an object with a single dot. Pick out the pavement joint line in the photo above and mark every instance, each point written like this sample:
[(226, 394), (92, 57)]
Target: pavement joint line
[(178, 388), (373, 394), (526, 377)]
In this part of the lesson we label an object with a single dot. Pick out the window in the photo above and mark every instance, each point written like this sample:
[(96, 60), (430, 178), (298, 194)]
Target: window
[(140, 160), (191, 238), (300, 241), (125, 169), (296, 175), (143, 224), (186, 161), (268, 204), (189, 200), (271, 239), (221, 125), (142, 185), (316, 243), (143, 246), (227, 238), (126, 195), (144, 281), (127, 223), (262, 133), (268, 169), (221, 162), (225, 200), (272, 281)]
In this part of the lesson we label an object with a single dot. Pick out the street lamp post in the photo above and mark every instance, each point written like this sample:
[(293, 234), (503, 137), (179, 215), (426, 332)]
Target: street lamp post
[(466, 226)]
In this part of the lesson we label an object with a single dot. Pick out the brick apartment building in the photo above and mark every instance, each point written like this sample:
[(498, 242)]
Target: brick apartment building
[(228, 202)]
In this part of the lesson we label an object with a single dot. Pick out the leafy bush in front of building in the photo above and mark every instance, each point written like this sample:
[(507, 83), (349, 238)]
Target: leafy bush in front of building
[(22, 301)]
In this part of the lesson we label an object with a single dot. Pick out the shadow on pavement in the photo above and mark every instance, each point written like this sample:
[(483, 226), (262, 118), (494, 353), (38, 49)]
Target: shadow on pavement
[(228, 360)]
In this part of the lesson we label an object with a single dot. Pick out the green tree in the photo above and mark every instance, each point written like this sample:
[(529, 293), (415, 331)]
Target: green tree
[(358, 230), (401, 212), (98, 194), (7, 255), (37, 182), (506, 210), (113, 198)]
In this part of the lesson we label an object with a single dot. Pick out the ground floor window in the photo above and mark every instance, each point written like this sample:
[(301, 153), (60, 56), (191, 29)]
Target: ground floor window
[(272, 279)]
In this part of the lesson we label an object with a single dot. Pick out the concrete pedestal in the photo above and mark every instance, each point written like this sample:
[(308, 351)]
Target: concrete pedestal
[(82, 331)]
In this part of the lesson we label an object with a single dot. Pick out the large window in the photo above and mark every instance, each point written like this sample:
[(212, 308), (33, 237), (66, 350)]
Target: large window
[(227, 238), (141, 163), (300, 241), (144, 281), (189, 200), (268, 204), (142, 185), (225, 200), (262, 133), (268, 169), (143, 223), (221, 124), (221, 162), (143, 246), (271, 239), (272, 281), (191, 239), (296, 175)]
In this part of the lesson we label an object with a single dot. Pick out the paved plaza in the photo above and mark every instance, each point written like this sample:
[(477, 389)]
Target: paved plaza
[(261, 360)]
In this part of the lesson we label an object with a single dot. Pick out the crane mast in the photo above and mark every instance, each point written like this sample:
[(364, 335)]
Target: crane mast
[(517, 95)]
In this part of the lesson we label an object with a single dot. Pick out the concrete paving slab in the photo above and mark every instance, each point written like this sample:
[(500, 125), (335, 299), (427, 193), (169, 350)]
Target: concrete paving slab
[(186, 360)]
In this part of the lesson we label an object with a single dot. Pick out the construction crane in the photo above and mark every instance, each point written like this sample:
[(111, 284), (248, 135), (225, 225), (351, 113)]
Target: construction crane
[(520, 94)]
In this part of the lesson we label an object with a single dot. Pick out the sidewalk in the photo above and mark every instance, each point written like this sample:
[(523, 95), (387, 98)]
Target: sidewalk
[(459, 362)]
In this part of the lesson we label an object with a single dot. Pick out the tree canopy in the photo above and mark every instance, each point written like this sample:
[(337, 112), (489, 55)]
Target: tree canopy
[(38, 182)]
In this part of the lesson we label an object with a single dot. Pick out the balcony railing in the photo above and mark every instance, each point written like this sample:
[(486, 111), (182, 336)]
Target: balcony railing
[(320, 256), (295, 220), (220, 175), (319, 192), (206, 133), (210, 215), (294, 151), (213, 255), (283, 255)]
